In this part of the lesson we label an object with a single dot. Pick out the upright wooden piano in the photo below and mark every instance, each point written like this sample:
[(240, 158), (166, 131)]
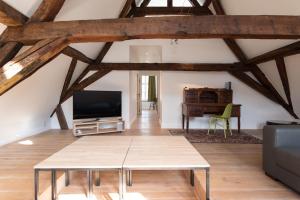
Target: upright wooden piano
[(200, 101)]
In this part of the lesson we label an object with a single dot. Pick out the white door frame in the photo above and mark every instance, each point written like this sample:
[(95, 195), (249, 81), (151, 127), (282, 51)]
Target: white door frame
[(139, 88)]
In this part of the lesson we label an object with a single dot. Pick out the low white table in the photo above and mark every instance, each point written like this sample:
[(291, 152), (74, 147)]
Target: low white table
[(123, 154), (163, 153), (92, 153)]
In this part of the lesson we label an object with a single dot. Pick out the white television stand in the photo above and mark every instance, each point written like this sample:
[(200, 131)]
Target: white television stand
[(83, 127)]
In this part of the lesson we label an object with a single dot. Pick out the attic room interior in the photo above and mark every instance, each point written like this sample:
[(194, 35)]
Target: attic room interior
[(149, 100)]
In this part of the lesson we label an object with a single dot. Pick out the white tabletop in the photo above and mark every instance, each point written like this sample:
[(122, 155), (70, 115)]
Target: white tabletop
[(163, 153), (90, 152), (150, 141), (131, 152)]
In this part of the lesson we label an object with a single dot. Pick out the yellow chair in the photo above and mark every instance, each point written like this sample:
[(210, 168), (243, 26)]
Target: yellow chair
[(225, 118)]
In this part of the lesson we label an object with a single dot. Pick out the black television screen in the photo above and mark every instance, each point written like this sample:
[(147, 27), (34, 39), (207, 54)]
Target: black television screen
[(97, 104)]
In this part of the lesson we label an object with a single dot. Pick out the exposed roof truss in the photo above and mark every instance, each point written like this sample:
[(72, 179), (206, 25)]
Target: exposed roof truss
[(48, 46)]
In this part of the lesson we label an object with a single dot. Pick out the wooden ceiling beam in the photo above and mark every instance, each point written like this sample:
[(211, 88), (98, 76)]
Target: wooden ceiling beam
[(85, 72), (86, 82), (47, 11), (139, 12), (105, 48), (284, 79), (24, 65), (245, 78), (74, 53), (10, 16), (133, 4), (9, 51), (256, 71), (171, 66), (126, 8), (195, 3), (180, 27), (61, 118), (91, 79), (207, 3), (236, 50), (262, 78), (288, 50), (98, 60), (218, 7), (68, 77), (59, 112), (145, 3), (259, 75)]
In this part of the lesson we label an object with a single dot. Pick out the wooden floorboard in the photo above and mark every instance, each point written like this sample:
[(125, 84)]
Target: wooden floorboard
[(236, 172), (17, 161)]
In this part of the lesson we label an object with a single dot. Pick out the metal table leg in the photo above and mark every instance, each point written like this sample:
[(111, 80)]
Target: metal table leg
[(53, 184), (207, 185), (90, 184), (123, 183), (239, 124), (97, 173), (129, 178), (36, 184), (192, 178), (187, 124), (183, 122), (67, 178), (120, 184)]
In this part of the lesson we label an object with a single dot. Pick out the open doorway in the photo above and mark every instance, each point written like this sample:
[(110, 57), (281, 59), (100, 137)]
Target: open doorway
[(148, 86), (148, 89), (148, 101)]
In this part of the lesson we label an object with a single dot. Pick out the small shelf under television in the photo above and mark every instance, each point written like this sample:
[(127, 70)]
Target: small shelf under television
[(84, 127), (97, 112)]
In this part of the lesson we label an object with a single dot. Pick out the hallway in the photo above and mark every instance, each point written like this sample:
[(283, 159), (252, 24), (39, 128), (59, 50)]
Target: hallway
[(148, 124)]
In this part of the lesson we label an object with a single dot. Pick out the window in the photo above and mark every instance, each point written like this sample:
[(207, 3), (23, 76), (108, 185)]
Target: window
[(181, 3), (176, 3), (158, 3), (145, 85)]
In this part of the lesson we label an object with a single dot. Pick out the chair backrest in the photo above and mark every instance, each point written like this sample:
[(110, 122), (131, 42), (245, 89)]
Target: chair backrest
[(227, 111)]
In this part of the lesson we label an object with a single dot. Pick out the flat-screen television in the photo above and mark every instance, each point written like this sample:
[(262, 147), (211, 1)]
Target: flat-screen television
[(97, 104)]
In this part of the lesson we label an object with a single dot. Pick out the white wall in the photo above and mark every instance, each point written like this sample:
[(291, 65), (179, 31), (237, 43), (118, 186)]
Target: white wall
[(256, 109), (25, 109)]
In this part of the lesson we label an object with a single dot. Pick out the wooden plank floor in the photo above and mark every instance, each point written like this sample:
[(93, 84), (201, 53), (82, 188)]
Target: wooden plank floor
[(236, 172), (17, 160)]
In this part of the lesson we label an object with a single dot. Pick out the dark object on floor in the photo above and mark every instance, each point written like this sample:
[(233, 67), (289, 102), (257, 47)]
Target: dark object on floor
[(200, 136), (281, 154), (276, 122)]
